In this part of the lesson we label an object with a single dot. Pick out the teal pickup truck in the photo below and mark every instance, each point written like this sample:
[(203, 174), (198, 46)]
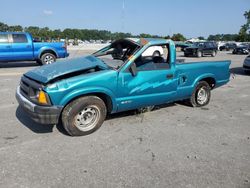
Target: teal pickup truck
[(116, 78)]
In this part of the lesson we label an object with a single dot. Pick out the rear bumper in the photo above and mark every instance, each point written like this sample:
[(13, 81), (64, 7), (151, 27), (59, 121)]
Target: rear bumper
[(40, 114)]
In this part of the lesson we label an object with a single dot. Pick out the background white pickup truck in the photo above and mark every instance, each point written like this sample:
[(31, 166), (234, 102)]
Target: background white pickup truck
[(153, 51)]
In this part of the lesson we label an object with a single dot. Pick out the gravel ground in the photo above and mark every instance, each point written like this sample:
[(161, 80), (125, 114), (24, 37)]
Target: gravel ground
[(173, 146)]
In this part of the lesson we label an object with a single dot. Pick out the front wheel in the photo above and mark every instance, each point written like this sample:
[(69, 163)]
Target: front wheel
[(84, 115), (201, 95)]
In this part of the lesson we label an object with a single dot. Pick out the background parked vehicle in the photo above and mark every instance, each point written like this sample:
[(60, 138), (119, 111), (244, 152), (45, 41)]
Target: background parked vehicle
[(241, 50), (228, 46), (200, 49), (246, 64), (19, 46), (183, 45), (153, 51), (247, 45)]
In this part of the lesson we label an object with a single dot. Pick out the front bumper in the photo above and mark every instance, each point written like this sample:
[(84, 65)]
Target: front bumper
[(246, 67), (40, 114), (190, 53)]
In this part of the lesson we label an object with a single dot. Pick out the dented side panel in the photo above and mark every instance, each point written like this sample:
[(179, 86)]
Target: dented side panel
[(65, 90)]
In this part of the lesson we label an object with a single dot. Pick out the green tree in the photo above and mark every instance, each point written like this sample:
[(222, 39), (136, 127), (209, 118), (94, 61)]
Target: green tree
[(33, 30), (3, 27), (178, 37), (201, 38), (217, 37), (167, 37), (244, 33), (15, 28)]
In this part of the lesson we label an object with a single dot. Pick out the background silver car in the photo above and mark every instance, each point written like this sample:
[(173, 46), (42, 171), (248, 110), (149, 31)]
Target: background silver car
[(246, 64)]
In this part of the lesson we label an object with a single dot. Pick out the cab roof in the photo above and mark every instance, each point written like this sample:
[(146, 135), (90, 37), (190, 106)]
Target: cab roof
[(149, 41)]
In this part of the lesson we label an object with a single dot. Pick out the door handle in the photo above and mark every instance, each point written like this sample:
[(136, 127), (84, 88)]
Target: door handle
[(28, 46), (8, 46), (170, 76)]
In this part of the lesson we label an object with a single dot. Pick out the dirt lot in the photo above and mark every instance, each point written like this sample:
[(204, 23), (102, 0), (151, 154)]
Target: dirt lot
[(173, 146)]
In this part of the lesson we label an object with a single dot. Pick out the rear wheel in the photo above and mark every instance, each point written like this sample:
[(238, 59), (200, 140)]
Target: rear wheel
[(213, 54), (48, 58), (199, 54), (201, 95), (156, 54), (84, 115)]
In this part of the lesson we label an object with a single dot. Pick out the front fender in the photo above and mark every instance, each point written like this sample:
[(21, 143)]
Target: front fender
[(88, 91)]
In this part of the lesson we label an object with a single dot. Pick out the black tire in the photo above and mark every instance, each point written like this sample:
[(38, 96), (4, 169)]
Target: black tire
[(213, 53), (199, 54), (76, 113), (156, 54), (48, 58), (39, 62), (202, 86)]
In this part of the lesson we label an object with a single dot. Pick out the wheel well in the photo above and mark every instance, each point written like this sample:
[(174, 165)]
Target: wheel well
[(157, 51), (48, 51), (106, 99), (211, 81)]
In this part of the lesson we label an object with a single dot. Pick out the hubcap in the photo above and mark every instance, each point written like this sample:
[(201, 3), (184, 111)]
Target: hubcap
[(202, 96), (87, 119), (49, 59)]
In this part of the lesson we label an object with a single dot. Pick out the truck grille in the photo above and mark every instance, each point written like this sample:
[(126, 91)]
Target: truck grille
[(29, 88), (189, 50)]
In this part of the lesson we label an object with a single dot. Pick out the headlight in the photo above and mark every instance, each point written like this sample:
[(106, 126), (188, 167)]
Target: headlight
[(42, 98), (247, 62)]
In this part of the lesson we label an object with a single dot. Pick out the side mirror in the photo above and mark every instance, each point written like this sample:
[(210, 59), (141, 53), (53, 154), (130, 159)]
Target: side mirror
[(133, 69)]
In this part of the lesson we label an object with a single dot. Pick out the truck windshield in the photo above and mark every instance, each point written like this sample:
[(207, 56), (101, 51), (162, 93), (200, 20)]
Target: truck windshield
[(198, 44), (117, 53)]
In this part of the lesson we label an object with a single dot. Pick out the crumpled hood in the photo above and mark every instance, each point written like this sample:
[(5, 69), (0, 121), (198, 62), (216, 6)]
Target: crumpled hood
[(46, 73)]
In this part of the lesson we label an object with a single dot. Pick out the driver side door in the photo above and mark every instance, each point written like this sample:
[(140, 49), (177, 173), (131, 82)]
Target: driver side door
[(151, 86)]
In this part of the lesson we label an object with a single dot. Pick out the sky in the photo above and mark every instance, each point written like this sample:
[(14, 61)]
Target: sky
[(193, 18)]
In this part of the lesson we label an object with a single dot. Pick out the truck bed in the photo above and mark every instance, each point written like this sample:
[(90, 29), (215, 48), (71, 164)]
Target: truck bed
[(189, 72)]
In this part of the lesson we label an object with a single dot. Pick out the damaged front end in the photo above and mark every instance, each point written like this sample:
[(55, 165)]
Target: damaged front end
[(41, 88)]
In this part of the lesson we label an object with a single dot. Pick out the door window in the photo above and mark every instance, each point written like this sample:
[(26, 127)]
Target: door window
[(19, 38), (4, 38), (157, 58)]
